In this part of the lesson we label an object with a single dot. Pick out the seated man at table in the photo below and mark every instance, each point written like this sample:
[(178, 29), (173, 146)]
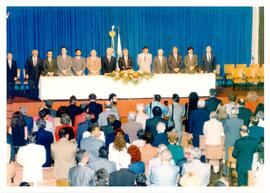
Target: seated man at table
[(108, 62), (125, 62), (191, 61), (49, 65), (79, 64), (64, 63)]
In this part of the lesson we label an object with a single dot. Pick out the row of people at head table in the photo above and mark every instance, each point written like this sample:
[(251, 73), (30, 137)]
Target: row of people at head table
[(65, 65)]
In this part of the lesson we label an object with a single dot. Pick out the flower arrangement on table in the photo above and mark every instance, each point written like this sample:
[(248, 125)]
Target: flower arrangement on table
[(129, 76)]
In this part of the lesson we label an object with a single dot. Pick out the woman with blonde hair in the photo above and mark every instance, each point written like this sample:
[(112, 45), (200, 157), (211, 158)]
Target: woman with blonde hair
[(118, 150), (176, 150)]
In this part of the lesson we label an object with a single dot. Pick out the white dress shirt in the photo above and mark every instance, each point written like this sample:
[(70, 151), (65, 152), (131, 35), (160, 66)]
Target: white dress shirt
[(213, 131)]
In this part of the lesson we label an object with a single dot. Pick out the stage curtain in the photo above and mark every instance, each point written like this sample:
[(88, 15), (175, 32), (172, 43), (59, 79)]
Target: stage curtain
[(227, 29)]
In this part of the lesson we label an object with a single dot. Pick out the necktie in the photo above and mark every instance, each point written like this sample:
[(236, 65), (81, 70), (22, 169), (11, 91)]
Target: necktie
[(35, 61)]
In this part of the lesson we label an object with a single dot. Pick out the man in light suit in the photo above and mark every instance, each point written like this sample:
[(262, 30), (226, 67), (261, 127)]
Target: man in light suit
[(174, 61), (64, 63), (208, 61), (81, 174), (63, 154), (93, 63), (108, 62), (33, 70), (102, 118), (103, 161), (202, 170), (144, 60), (49, 65), (164, 174), (92, 144), (125, 62), (79, 63), (191, 62), (11, 75), (160, 63)]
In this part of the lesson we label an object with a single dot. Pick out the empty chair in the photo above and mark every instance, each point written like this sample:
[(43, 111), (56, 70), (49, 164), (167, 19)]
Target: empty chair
[(202, 144), (228, 70), (241, 65), (62, 182), (50, 182)]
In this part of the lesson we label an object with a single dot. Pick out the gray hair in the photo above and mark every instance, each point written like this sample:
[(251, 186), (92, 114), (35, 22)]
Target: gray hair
[(166, 156), (65, 119), (41, 123), (196, 152), (161, 148), (132, 116), (213, 115), (161, 127), (23, 110), (201, 104), (234, 111)]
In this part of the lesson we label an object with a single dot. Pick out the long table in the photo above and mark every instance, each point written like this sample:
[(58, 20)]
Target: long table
[(61, 88)]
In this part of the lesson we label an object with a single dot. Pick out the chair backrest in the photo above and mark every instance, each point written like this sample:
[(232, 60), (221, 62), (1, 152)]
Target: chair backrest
[(62, 182), (254, 65), (202, 142), (50, 182), (214, 152), (228, 68), (261, 72), (251, 72), (48, 173), (230, 157), (250, 178), (241, 65), (238, 73), (184, 141)]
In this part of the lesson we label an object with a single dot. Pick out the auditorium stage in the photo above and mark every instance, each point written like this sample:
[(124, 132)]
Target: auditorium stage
[(124, 105)]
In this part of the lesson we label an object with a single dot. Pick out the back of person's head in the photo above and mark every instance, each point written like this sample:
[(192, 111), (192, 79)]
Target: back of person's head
[(132, 116), (254, 120), (244, 130), (234, 111), (173, 137), (141, 180), (24, 184), (148, 137), (119, 142), (108, 105), (111, 96), (135, 153), (157, 97), (161, 148), (196, 153), (175, 98), (201, 104), (95, 130), (223, 181), (23, 110), (252, 96), (62, 133), (43, 113), (80, 155), (213, 115), (103, 152), (31, 137), (157, 112), (166, 156), (49, 103), (116, 124), (232, 97), (72, 99), (193, 97), (102, 177), (212, 92), (17, 120), (41, 123), (110, 119), (140, 133), (65, 119), (221, 112), (140, 107), (161, 127), (70, 132), (92, 97), (241, 102)]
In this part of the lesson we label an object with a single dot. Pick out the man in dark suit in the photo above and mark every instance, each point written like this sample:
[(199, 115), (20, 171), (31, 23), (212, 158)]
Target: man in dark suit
[(151, 124), (73, 108), (174, 61), (123, 177), (255, 131), (33, 70), (11, 75), (208, 61), (125, 62), (108, 62), (244, 113), (27, 119), (81, 174), (244, 149), (94, 107), (49, 65), (212, 102)]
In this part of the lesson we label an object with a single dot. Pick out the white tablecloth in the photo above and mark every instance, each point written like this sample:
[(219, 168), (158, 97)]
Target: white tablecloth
[(57, 88)]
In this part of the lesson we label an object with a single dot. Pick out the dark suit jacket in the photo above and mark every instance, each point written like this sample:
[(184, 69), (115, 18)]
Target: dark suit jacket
[(110, 138), (96, 109), (33, 72), (256, 132), (108, 67), (47, 67), (172, 63), (45, 138), (123, 177), (29, 122), (81, 176), (160, 138), (122, 63), (208, 66), (73, 111), (82, 127), (11, 72), (211, 104), (245, 114), (151, 124), (243, 152)]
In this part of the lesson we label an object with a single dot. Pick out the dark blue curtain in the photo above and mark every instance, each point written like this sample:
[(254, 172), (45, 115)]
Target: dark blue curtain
[(227, 29)]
